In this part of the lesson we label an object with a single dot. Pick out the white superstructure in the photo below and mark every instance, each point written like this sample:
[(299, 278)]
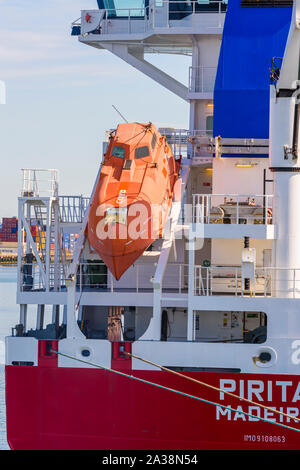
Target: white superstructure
[(214, 282)]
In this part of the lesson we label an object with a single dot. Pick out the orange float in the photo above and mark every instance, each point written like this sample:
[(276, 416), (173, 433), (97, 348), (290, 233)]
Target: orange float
[(133, 195)]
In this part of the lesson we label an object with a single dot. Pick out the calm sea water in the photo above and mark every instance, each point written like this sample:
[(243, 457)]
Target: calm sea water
[(9, 316)]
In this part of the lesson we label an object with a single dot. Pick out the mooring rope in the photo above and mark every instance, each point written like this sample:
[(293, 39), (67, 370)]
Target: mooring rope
[(205, 384), (187, 395)]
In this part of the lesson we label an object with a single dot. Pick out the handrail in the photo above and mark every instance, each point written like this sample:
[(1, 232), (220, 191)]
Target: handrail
[(95, 275), (180, 141), (34, 185), (227, 280), (208, 280), (233, 208), (72, 208), (76, 22), (151, 14), (202, 78)]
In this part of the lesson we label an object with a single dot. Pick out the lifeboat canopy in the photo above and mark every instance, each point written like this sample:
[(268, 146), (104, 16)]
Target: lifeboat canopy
[(133, 195)]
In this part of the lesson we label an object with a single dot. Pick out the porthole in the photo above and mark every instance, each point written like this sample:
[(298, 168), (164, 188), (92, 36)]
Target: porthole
[(85, 353)]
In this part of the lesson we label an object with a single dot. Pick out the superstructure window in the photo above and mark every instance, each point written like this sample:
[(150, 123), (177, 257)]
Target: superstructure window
[(153, 141), (118, 152), (209, 124), (115, 215), (142, 152)]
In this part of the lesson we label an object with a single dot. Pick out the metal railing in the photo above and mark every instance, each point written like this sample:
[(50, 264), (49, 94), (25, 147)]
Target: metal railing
[(31, 278), (93, 276), (228, 280), (159, 13), (232, 209), (39, 182), (208, 281), (135, 20), (72, 208), (177, 280), (202, 79), (181, 142)]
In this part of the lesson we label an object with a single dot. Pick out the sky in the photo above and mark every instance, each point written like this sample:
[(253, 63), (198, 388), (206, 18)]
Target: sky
[(59, 96)]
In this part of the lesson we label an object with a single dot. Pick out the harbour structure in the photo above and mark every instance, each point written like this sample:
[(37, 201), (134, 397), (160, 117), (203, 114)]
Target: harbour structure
[(9, 230)]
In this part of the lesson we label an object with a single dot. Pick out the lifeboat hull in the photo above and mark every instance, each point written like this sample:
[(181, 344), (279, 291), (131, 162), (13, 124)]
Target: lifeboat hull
[(133, 195)]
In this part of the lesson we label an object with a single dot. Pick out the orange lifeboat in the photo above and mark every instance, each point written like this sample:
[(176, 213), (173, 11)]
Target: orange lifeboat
[(133, 195)]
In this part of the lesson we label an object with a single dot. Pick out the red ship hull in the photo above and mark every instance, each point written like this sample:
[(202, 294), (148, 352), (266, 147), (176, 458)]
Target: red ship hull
[(53, 408)]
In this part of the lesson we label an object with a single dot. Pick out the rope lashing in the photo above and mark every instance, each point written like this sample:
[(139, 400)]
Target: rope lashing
[(178, 392), (213, 387)]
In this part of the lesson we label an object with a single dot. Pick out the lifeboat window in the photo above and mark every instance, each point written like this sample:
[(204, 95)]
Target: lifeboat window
[(118, 152), (153, 142), (115, 215), (142, 152)]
